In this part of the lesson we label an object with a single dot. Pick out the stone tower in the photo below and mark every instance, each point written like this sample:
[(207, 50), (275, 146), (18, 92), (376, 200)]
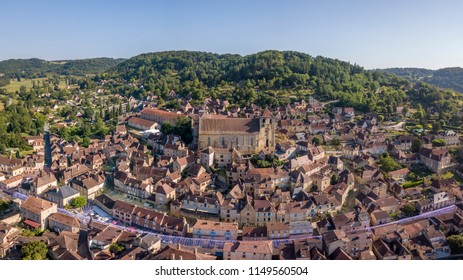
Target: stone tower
[(46, 138), (267, 129)]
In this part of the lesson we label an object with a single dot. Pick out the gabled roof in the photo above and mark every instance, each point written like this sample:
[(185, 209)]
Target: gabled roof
[(36, 205), (340, 254), (63, 192), (214, 125), (259, 247), (164, 189), (267, 113), (170, 251), (64, 220)]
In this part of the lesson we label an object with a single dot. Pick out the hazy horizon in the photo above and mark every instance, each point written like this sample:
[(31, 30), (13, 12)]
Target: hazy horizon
[(404, 34)]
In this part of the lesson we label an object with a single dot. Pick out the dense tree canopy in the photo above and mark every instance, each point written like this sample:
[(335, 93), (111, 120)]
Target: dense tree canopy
[(116, 248), (416, 145), (336, 142), (3, 205), (456, 244), (34, 67), (409, 210), (34, 250), (78, 202), (439, 143), (182, 128), (268, 161), (445, 78), (388, 164), (270, 78), (17, 119), (458, 154)]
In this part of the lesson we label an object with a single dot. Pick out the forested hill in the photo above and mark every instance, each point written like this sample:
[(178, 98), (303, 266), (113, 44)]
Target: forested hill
[(445, 78), (35, 68), (272, 78)]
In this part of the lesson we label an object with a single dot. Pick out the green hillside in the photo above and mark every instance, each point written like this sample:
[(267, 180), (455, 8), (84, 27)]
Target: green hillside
[(451, 78), (274, 78), (36, 68)]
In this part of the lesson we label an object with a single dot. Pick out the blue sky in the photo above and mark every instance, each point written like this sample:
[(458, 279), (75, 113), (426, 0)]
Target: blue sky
[(373, 34)]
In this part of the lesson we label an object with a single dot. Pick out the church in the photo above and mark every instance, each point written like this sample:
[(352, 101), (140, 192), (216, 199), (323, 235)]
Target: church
[(246, 135)]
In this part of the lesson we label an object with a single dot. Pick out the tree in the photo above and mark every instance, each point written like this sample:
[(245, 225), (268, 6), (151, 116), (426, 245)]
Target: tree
[(22, 89), (34, 250), (380, 118), (405, 111), (456, 244), (442, 123), (336, 142), (31, 233), (99, 127), (411, 176), (409, 210), (436, 126), (78, 202), (388, 164), (420, 114), (120, 108), (86, 141), (416, 145), (439, 143), (334, 179), (316, 141), (182, 128), (459, 155), (116, 248), (3, 205)]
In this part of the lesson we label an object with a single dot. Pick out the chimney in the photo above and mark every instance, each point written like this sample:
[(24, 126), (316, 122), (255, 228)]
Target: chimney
[(180, 257), (179, 246), (196, 250), (172, 257)]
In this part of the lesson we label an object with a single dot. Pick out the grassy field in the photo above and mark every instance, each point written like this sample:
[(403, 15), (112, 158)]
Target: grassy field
[(15, 85), (410, 184), (447, 175)]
